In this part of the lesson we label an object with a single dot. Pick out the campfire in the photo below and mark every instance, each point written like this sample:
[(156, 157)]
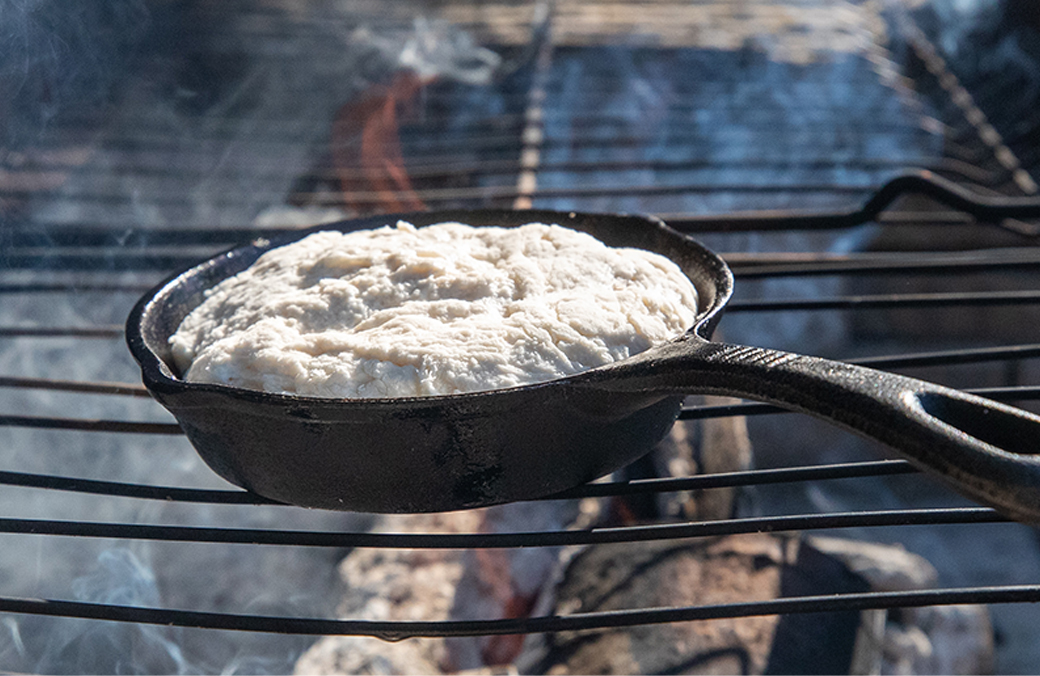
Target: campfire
[(366, 149), (148, 136)]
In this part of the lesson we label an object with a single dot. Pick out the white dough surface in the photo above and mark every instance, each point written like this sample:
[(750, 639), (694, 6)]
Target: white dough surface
[(448, 308)]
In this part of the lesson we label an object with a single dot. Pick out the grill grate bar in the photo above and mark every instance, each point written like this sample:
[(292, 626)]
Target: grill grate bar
[(73, 287), (938, 358), (479, 194), (88, 235), (127, 490), (757, 477), (431, 164), (500, 130), (89, 425), (100, 236), (985, 208), (122, 389), (113, 331), (122, 260), (482, 139), (743, 266), (594, 536), (110, 259), (948, 357), (119, 489), (902, 264), (636, 487), (748, 265), (903, 300), (1021, 393), (441, 166), (395, 631), (137, 133), (113, 260)]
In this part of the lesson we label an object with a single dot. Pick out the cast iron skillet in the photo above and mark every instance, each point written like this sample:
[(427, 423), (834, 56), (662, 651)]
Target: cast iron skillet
[(469, 450)]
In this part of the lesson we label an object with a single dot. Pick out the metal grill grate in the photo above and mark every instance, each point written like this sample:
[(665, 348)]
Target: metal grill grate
[(547, 139), (803, 263)]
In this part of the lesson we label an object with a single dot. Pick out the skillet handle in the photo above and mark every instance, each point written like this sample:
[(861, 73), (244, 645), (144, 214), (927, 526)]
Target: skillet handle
[(987, 450)]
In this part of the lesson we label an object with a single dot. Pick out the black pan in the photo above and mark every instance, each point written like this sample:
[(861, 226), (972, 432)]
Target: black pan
[(469, 450)]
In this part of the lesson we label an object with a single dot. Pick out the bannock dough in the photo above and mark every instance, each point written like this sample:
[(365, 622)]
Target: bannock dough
[(448, 308)]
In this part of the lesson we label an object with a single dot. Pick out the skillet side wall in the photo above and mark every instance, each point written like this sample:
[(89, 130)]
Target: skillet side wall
[(415, 455), (459, 454)]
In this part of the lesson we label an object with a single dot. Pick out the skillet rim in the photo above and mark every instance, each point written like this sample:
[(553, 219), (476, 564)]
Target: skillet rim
[(157, 374)]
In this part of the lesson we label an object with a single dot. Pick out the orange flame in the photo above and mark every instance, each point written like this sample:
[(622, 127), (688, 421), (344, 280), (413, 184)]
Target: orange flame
[(366, 148), (493, 566)]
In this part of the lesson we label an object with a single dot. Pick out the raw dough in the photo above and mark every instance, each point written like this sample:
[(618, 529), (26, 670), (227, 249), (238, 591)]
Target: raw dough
[(448, 308)]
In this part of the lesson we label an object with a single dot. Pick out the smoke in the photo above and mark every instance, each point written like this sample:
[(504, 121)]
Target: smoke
[(57, 52), (118, 578), (731, 122), (192, 115), (220, 113), (432, 49), (62, 645)]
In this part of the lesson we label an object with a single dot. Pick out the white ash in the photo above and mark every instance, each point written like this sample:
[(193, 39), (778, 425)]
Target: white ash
[(395, 585), (954, 639), (448, 308)]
